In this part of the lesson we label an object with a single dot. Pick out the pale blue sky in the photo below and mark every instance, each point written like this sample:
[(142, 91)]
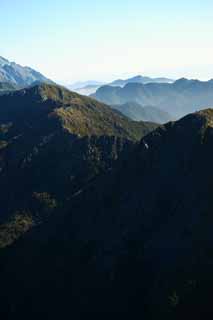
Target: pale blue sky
[(78, 40)]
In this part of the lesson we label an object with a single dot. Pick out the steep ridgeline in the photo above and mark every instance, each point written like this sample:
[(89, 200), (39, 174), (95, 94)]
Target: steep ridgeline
[(18, 75), (136, 112), (135, 242), (53, 142), (178, 98)]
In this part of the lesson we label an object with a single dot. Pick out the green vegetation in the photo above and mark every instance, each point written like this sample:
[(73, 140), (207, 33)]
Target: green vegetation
[(57, 142), (120, 226), (173, 299), (3, 144), (12, 230), (84, 116)]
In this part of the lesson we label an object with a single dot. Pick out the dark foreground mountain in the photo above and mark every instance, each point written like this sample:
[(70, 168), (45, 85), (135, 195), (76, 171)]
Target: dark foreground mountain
[(53, 142), (136, 112), (178, 98), (18, 75), (136, 242)]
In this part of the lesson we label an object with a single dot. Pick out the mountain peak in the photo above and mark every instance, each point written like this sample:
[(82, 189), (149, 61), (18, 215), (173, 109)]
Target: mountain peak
[(195, 122), (3, 61), (41, 92), (48, 91), (138, 77), (16, 74), (204, 116), (77, 114), (193, 127), (181, 81)]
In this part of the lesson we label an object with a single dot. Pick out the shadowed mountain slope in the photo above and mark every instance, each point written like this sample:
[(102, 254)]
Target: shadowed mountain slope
[(54, 141), (136, 241)]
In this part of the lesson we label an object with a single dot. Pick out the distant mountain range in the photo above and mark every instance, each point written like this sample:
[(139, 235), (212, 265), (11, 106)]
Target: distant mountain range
[(178, 98), (19, 76), (139, 98), (87, 90), (136, 112), (139, 79), (14, 77), (82, 84), (103, 216), (90, 87)]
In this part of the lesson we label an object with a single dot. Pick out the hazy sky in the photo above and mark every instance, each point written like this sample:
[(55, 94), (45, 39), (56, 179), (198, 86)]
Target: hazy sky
[(95, 39)]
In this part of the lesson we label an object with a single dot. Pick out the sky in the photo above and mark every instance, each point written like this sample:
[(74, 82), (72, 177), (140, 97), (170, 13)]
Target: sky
[(82, 40)]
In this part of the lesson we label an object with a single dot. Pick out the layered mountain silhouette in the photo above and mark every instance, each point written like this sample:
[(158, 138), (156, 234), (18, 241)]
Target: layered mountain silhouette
[(136, 112), (140, 79), (87, 90), (86, 87), (17, 75), (89, 87), (82, 84), (135, 241), (178, 98)]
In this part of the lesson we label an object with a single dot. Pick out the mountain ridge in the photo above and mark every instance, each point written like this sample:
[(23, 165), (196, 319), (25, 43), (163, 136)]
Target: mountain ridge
[(18, 75), (139, 234), (140, 79), (49, 124), (136, 112), (90, 87), (178, 98)]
